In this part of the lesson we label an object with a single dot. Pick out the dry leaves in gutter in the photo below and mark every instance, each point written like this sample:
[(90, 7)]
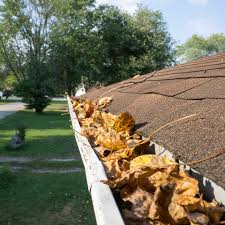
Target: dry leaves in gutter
[(153, 189)]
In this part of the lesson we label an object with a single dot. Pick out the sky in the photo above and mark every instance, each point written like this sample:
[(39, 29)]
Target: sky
[(184, 17)]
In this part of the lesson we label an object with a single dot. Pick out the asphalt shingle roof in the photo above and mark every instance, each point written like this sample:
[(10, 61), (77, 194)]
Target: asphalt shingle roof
[(172, 93)]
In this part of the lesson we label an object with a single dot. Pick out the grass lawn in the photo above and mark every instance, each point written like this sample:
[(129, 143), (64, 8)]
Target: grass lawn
[(47, 135), (44, 199)]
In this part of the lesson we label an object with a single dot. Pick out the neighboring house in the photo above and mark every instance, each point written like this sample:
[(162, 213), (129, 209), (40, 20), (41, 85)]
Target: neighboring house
[(156, 99), (80, 91)]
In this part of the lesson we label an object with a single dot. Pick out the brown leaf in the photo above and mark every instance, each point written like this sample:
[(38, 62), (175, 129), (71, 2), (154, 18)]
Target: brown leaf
[(198, 218), (112, 168), (159, 207), (111, 140), (141, 201), (178, 213), (213, 210), (104, 102), (185, 184), (132, 219), (124, 122), (108, 119), (87, 122), (150, 160)]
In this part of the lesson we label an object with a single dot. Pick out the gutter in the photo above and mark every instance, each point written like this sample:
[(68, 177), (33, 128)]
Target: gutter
[(104, 204), (206, 186), (105, 207)]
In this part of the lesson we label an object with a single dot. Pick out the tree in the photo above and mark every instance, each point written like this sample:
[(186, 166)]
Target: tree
[(69, 51), (24, 33), (103, 45), (197, 47), (125, 45), (152, 44)]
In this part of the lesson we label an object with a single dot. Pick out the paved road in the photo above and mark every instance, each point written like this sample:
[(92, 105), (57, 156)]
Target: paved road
[(7, 109)]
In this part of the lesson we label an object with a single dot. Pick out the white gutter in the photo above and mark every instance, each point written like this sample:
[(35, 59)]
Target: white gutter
[(105, 207)]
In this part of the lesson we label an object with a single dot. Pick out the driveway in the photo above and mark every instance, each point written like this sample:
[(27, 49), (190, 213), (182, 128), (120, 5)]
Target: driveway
[(7, 109)]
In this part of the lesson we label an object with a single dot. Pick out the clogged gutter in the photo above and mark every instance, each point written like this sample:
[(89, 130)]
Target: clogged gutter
[(150, 189)]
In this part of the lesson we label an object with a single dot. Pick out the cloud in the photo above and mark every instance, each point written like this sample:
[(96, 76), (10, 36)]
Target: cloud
[(199, 2), (127, 5), (203, 26)]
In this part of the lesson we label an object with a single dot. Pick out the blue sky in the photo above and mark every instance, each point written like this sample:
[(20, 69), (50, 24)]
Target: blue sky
[(184, 17)]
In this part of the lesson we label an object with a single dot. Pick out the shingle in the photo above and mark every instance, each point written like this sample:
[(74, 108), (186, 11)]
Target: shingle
[(196, 87)]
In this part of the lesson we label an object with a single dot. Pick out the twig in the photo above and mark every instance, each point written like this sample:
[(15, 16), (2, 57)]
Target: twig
[(128, 84), (166, 125), (206, 159), (113, 89), (185, 164)]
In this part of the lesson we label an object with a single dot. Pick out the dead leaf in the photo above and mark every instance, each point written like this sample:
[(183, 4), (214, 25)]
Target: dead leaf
[(150, 160), (157, 189), (141, 201), (159, 207), (112, 168), (178, 213), (198, 218), (108, 119), (111, 140), (104, 102), (124, 122), (185, 184)]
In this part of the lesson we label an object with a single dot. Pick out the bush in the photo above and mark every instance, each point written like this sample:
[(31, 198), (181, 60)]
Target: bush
[(21, 132), (7, 178), (37, 96)]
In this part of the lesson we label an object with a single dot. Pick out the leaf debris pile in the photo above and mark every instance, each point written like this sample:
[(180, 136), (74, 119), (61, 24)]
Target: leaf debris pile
[(152, 189)]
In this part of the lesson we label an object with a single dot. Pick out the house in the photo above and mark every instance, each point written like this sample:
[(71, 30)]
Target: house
[(158, 98)]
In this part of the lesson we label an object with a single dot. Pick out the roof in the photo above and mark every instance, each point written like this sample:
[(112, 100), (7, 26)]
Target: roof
[(158, 98)]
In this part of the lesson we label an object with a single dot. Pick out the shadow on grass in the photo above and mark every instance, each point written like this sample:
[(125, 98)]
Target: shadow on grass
[(47, 199)]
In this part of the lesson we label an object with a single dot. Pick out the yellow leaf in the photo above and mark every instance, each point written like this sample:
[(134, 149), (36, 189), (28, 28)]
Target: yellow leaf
[(108, 119), (124, 122), (111, 140), (150, 161), (104, 102)]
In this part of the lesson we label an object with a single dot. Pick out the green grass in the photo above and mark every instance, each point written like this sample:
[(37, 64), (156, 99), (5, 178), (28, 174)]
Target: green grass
[(49, 199), (48, 134), (46, 199), (39, 164)]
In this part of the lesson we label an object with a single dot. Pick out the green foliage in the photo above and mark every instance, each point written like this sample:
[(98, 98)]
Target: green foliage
[(7, 93), (198, 46), (34, 94), (104, 45), (58, 45), (7, 178), (21, 132), (24, 29)]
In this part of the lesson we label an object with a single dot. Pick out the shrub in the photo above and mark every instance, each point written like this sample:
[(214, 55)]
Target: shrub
[(21, 132)]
